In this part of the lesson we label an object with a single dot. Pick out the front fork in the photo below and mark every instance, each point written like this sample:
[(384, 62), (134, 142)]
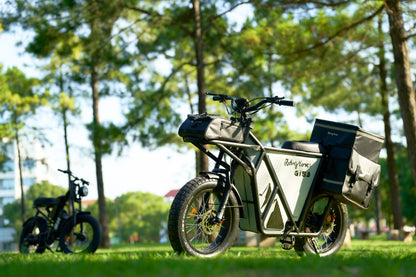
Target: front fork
[(224, 200), (224, 181)]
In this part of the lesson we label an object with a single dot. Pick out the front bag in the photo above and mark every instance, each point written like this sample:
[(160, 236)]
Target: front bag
[(211, 127)]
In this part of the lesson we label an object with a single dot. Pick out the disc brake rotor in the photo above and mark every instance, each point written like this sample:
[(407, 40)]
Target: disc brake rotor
[(207, 226)]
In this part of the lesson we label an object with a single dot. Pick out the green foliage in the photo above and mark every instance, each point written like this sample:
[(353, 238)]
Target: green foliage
[(332, 62), (6, 130), (407, 189), (20, 99), (141, 215), (93, 208), (158, 105), (407, 192), (44, 189), (86, 43)]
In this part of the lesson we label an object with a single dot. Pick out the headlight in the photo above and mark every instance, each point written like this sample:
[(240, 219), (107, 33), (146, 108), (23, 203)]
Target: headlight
[(83, 191)]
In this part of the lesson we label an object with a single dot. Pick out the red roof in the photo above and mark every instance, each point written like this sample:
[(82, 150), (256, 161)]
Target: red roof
[(171, 193), (88, 202)]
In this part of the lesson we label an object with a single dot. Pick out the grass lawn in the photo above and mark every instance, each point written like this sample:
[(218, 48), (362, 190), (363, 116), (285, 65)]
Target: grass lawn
[(376, 257)]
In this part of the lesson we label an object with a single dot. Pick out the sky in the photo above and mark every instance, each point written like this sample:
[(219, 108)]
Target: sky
[(138, 169)]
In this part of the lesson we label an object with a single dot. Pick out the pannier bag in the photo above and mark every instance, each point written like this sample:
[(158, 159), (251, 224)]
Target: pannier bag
[(352, 172), (211, 127)]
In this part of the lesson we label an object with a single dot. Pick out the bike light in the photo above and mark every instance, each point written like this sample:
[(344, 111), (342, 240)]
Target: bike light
[(83, 191)]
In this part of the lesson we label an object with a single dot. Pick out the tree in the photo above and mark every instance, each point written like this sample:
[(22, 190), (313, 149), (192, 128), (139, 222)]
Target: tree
[(191, 37), (259, 69), (392, 171), (405, 89), (140, 214), (17, 104)]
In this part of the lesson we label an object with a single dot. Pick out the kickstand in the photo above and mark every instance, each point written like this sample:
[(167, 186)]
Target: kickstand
[(49, 248), (288, 242)]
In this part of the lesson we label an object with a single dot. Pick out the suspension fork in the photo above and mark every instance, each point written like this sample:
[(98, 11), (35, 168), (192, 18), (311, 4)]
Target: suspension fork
[(225, 197), (227, 190), (227, 186)]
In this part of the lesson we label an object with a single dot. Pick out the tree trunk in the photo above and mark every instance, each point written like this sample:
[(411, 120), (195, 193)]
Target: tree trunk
[(378, 211), (202, 159), (68, 161), (96, 134), (20, 165), (98, 159), (65, 123), (197, 152), (392, 172), (405, 89)]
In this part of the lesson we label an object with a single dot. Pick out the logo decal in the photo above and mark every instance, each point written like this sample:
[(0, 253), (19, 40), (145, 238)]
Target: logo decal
[(301, 167)]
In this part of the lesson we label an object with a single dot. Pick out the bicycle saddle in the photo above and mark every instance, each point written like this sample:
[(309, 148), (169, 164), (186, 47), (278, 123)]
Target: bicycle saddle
[(307, 146), (45, 201)]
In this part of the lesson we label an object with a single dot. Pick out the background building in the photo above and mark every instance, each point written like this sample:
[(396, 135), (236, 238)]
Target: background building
[(37, 167)]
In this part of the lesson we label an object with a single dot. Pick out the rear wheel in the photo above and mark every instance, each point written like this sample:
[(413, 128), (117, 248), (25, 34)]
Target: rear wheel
[(33, 236), (82, 237), (334, 227), (192, 227)]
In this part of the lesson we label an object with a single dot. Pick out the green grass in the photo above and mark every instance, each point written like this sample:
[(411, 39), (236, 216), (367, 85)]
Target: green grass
[(374, 257)]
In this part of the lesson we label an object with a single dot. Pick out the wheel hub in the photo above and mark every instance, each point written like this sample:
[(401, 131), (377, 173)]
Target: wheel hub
[(329, 225), (207, 224)]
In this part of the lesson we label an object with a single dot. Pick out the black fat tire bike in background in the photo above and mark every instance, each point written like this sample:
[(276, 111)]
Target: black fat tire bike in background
[(52, 228), (288, 192)]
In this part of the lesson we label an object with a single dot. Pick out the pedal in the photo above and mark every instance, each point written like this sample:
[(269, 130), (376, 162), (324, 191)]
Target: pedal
[(287, 242)]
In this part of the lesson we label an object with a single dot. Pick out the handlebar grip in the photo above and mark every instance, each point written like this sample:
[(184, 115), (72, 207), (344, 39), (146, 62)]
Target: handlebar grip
[(289, 103)]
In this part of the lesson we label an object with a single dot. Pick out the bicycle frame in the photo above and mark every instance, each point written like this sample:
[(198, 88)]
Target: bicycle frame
[(262, 188), (56, 215), (52, 223)]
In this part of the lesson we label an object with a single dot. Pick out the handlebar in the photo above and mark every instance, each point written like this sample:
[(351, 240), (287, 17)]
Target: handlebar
[(289, 103), (84, 182), (242, 105)]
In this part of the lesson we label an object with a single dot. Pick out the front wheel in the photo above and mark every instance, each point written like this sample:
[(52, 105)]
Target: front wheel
[(82, 237), (191, 225), (332, 218)]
